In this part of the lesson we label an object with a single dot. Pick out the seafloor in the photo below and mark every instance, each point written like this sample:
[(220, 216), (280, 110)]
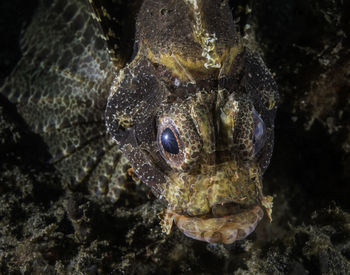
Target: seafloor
[(45, 229)]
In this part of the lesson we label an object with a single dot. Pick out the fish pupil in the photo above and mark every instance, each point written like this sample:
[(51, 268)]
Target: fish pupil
[(259, 137), (169, 142)]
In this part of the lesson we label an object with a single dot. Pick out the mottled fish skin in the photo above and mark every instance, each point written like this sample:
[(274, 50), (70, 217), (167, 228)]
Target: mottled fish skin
[(60, 87), (192, 75), (194, 80)]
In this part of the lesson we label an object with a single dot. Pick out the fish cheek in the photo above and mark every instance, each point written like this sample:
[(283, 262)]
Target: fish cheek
[(134, 97)]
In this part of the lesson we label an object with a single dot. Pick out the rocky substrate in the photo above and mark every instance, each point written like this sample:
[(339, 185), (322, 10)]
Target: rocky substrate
[(47, 228)]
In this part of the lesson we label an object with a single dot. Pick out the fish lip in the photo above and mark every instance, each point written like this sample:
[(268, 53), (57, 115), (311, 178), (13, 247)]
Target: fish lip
[(226, 229), (227, 209)]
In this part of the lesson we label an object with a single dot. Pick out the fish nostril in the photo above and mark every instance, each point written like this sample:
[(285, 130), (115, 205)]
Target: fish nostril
[(225, 209)]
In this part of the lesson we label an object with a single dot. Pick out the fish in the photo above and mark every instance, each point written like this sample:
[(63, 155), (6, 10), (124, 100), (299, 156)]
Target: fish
[(169, 95)]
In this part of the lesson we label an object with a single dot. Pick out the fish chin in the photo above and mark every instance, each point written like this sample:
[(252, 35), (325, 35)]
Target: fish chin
[(226, 229)]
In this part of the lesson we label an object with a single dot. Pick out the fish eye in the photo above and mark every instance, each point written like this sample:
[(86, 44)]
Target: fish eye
[(169, 142), (178, 140), (259, 132)]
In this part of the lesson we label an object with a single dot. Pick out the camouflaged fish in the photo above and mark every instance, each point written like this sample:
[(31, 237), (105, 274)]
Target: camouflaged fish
[(192, 112)]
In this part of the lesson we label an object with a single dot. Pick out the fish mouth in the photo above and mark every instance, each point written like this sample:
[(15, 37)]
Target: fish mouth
[(220, 227)]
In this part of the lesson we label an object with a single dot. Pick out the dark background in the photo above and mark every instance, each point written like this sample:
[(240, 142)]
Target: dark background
[(306, 46)]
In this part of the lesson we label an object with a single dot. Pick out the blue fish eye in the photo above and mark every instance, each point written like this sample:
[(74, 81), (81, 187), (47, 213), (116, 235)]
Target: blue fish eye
[(259, 133), (169, 141)]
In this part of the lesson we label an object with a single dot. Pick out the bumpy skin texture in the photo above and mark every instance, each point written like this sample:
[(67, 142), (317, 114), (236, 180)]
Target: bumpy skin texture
[(191, 74)]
